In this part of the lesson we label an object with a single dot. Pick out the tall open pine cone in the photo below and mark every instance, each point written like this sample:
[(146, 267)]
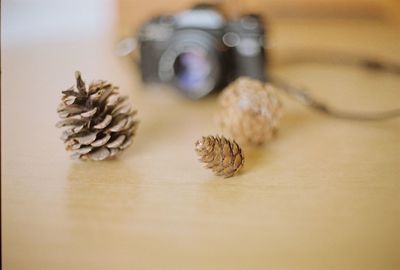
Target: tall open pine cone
[(221, 155), (98, 122)]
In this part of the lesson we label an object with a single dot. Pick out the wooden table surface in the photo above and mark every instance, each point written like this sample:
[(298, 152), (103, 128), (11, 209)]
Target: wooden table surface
[(325, 194)]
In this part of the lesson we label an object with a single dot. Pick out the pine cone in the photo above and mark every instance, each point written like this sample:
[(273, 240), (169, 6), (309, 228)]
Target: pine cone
[(222, 156), (99, 123), (249, 111)]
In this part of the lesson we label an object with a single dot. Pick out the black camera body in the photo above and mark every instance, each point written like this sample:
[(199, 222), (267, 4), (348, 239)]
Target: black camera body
[(199, 50)]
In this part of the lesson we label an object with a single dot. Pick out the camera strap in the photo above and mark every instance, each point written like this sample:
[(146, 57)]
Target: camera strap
[(301, 94)]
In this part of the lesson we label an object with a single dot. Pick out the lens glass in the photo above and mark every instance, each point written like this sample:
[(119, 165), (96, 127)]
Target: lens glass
[(192, 69)]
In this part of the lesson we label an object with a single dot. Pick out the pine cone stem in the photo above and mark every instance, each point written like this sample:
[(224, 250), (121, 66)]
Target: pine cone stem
[(80, 84)]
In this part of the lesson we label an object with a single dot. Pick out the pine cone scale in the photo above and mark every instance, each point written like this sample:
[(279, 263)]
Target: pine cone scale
[(89, 113), (99, 154), (101, 141), (86, 139), (118, 125), (116, 142), (84, 150), (104, 123), (125, 144)]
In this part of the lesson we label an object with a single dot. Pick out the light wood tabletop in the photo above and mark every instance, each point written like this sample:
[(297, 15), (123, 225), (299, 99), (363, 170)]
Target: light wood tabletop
[(324, 194)]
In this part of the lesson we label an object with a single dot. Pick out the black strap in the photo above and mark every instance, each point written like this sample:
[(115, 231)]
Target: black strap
[(301, 94)]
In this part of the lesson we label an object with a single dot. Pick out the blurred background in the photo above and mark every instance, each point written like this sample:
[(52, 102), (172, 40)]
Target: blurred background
[(133, 12), (363, 27), (40, 31), (324, 194), (74, 16)]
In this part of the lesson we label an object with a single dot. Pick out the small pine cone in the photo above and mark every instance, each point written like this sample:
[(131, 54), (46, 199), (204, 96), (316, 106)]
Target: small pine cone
[(221, 155), (249, 111), (99, 123)]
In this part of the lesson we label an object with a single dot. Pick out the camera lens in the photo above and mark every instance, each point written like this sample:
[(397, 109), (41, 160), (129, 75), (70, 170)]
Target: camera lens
[(191, 70), (192, 63)]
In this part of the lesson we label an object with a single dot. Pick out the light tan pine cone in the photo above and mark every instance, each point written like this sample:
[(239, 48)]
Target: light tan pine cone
[(98, 122), (221, 155), (249, 111)]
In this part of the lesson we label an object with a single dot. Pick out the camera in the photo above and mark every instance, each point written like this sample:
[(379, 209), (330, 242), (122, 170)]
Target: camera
[(199, 50)]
